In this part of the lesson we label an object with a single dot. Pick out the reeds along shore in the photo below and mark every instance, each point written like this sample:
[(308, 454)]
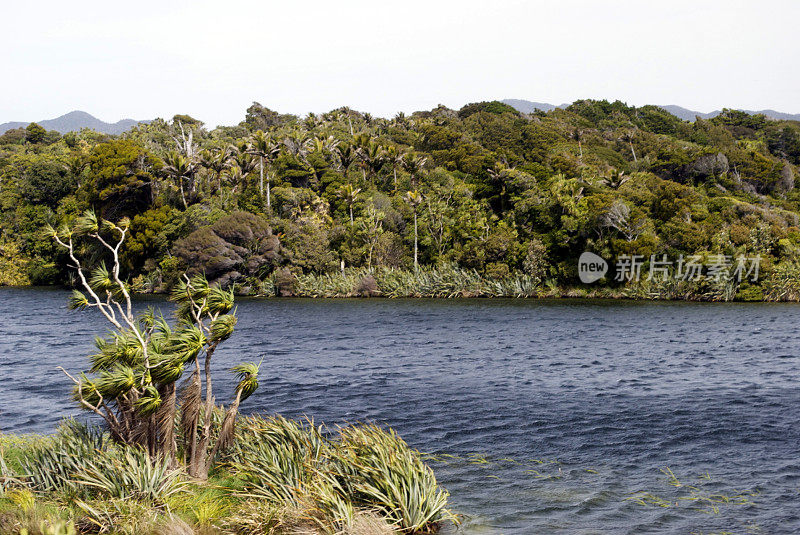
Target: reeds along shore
[(280, 476), (450, 281)]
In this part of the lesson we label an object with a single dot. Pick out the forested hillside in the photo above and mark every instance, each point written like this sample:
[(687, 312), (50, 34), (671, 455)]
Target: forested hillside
[(487, 200)]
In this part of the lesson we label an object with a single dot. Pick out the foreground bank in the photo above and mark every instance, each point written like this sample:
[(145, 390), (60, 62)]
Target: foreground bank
[(281, 476)]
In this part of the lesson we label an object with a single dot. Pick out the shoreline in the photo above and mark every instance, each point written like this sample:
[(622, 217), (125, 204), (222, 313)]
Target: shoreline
[(630, 294)]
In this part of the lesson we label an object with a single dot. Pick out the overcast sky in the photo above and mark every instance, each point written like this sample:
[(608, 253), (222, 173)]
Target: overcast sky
[(211, 59)]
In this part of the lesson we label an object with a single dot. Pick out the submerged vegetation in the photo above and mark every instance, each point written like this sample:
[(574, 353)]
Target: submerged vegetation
[(481, 201)]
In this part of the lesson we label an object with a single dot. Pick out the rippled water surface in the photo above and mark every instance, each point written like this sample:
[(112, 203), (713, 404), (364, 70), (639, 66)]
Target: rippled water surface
[(543, 416)]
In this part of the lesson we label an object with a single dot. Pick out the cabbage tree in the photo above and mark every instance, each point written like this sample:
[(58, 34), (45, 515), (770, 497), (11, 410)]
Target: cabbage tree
[(132, 380)]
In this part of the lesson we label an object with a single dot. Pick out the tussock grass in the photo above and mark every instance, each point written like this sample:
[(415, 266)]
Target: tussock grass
[(447, 281)]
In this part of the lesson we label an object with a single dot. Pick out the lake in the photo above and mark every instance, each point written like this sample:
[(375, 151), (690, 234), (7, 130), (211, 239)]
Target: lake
[(549, 416)]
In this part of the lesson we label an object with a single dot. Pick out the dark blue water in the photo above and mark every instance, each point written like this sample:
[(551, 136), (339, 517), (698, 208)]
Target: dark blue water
[(544, 416)]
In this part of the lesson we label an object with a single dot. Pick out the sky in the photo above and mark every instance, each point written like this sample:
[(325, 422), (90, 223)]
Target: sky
[(212, 59)]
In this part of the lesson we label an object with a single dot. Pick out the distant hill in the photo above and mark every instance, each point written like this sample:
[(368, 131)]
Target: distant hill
[(526, 106), (74, 121), (689, 115)]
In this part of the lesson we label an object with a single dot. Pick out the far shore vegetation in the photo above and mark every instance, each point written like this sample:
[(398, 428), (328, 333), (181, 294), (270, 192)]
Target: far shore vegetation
[(483, 201)]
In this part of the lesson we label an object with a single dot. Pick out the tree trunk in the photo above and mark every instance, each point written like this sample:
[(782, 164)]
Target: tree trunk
[(226, 432), (261, 176), (192, 416), (632, 151), (416, 262), (199, 462), (183, 196)]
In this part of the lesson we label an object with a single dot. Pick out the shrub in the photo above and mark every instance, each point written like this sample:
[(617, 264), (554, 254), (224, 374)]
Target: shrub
[(367, 286)]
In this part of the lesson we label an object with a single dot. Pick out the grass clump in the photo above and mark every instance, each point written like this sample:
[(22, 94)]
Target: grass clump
[(378, 469), (337, 480), (445, 281)]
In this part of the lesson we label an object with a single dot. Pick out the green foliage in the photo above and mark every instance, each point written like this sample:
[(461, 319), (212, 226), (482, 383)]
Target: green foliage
[(51, 464), (12, 265), (129, 474), (377, 469), (236, 246), (248, 379), (446, 281)]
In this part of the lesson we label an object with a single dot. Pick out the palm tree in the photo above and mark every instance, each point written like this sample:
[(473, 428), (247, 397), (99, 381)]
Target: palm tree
[(137, 398), (76, 165), (322, 144), (616, 180), (241, 156), (233, 175), (413, 165), (346, 156), (577, 135), (297, 145), (178, 167), (414, 199), (394, 157), (500, 174), (371, 156), (216, 162), (400, 120), (264, 148), (247, 374), (350, 195), (628, 136)]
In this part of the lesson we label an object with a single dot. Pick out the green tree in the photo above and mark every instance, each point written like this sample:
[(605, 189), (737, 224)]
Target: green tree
[(179, 169), (35, 133), (121, 178)]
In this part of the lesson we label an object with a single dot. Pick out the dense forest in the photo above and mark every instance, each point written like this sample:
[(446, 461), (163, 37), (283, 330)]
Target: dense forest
[(478, 201)]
